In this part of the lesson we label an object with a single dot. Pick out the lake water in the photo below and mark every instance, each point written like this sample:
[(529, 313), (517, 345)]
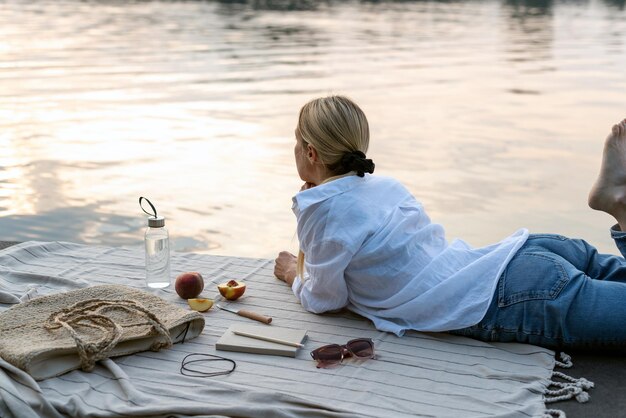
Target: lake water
[(492, 112)]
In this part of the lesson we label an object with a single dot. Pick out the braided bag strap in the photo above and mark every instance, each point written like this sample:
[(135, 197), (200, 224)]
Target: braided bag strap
[(91, 313)]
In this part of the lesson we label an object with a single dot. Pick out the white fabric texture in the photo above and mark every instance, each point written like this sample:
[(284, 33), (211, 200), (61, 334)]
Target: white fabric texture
[(370, 246), (417, 375)]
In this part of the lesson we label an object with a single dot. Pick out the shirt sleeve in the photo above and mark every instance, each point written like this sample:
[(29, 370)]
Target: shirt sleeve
[(324, 286)]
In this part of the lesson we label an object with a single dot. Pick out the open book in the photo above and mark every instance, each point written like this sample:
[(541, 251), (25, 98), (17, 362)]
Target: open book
[(229, 341)]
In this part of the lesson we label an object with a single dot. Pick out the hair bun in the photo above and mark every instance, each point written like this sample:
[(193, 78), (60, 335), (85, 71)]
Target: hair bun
[(356, 161)]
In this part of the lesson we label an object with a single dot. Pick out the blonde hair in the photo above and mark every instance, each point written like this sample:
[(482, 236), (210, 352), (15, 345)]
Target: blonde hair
[(336, 127)]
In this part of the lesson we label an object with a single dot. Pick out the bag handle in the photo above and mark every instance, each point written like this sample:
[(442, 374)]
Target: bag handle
[(90, 313)]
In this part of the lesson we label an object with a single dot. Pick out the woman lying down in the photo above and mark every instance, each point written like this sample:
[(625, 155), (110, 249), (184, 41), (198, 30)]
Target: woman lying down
[(367, 244)]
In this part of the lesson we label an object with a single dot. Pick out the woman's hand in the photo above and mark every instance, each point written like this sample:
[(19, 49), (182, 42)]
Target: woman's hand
[(307, 186), (285, 267)]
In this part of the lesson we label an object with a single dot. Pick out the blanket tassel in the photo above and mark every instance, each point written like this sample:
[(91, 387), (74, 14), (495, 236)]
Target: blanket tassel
[(566, 361), (570, 388)]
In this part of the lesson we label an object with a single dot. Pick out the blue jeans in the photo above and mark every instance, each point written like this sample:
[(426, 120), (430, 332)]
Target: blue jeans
[(559, 293)]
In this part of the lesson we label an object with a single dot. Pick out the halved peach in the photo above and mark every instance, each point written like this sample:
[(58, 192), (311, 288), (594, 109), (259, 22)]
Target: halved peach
[(199, 304), (232, 289)]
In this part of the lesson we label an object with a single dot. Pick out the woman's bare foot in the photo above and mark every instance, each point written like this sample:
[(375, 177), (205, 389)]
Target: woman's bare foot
[(608, 194)]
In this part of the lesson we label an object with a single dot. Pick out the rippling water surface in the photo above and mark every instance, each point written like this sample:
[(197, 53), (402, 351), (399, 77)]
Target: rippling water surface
[(492, 112)]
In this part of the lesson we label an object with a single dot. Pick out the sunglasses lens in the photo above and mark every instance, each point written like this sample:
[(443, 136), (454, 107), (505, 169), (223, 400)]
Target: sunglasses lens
[(327, 356), (361, 348)]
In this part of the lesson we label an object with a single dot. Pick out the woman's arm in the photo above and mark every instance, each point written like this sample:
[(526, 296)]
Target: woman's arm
[(324, 287)]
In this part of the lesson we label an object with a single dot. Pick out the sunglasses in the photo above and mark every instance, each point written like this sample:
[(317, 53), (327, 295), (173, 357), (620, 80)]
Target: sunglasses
[(333, 354)]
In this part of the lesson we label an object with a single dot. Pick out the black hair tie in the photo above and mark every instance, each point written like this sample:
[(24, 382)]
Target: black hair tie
[(356, 161), (185, 370)]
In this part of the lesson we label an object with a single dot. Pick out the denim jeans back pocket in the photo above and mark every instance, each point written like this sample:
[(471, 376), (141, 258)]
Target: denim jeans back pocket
[(532, 275)]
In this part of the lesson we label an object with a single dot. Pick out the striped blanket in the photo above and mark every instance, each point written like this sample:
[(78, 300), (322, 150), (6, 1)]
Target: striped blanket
[(424, 375)]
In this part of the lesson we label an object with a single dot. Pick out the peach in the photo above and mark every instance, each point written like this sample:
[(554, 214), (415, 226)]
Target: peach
[(200, 305), (232, 289), (189, 285)]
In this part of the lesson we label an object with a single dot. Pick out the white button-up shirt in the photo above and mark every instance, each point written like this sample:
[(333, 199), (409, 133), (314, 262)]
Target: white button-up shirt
[(370, 246)]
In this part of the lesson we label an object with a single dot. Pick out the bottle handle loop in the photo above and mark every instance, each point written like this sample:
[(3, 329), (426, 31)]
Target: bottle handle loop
[(151, 205)]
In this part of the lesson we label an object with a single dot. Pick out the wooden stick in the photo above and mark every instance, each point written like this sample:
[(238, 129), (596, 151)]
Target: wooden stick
[(270, 339), (255, 316)]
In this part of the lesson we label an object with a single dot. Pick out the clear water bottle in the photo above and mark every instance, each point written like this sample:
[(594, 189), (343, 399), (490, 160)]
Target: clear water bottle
[(157, 244)]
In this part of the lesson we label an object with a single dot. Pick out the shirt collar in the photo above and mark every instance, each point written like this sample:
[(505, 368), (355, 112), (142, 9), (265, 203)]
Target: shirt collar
[(302, 200)]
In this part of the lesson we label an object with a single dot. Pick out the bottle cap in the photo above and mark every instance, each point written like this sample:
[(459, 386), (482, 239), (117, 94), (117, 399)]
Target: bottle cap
[(156, 222)]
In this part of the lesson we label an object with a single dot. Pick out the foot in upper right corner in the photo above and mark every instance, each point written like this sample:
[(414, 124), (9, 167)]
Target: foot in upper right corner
[(608, 194)]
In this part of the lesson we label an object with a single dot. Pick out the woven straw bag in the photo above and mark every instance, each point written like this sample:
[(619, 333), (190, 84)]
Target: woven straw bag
[(57, 333)]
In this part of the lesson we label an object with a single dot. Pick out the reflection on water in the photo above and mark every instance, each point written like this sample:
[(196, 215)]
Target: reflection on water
[(491, 112)]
